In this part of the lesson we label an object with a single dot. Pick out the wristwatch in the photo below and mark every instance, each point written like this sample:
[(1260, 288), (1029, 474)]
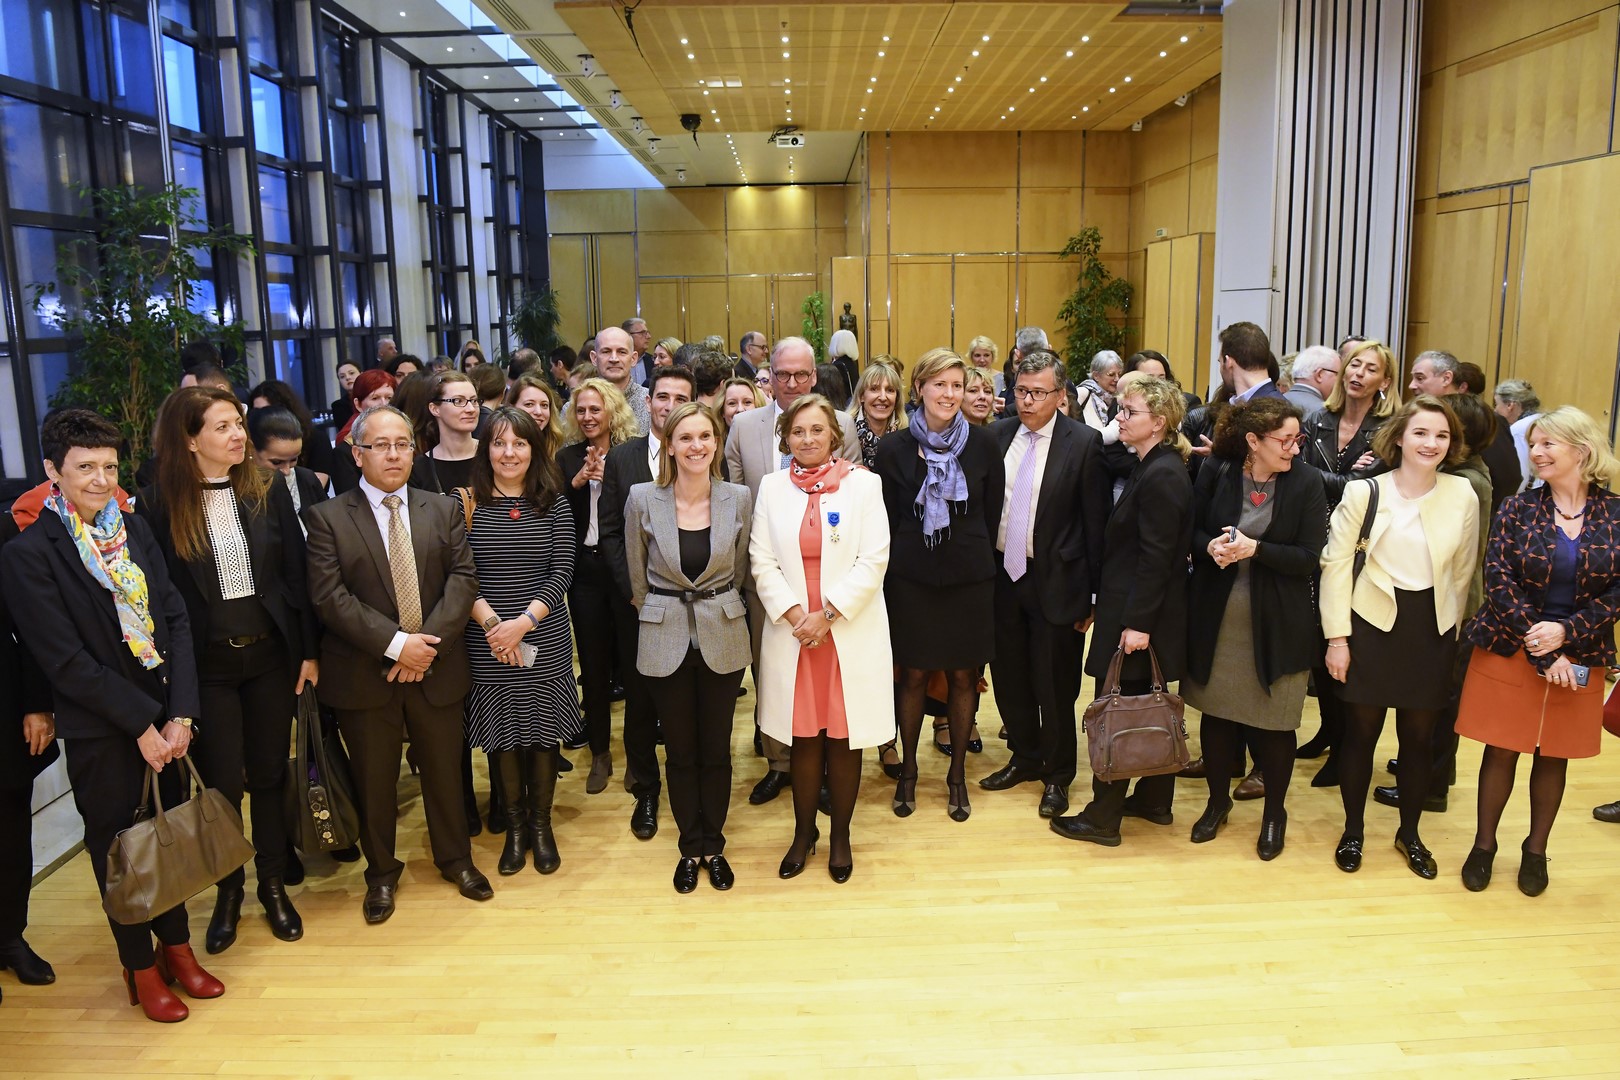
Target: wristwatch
[(186, 722), (828, 613), (493, 620)]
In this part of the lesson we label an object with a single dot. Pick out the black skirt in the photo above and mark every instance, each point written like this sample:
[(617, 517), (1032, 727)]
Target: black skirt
[(941, 627), (1408, 668)]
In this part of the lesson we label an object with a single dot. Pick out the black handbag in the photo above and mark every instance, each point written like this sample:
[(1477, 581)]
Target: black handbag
[(322, 813), (1135, 734), (1363, 542)]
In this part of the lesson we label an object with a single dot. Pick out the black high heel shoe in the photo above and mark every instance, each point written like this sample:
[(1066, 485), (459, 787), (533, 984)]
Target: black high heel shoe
[(1210, 821), (891, 771), (791, 869), (956, 800), (975, 745), (905, 796), (840, 874), (1270, 843)]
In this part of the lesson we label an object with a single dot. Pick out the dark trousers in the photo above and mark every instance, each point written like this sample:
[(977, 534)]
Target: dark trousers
[(107, 774), (374, 737), (591, 601), (697, 706), (16, 859), (246, 729), (1036, 675), (1107, 806), (640, 716)]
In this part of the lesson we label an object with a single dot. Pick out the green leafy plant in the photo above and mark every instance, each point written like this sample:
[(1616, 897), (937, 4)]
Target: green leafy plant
[(134, 309), (1085, 313), (815, 323), (535, 320)]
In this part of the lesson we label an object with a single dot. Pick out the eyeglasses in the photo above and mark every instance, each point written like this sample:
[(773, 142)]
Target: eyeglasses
[(793, 378), (458, 402), (1126, 412), (401, 447), (1285, 441), (1030, 393)]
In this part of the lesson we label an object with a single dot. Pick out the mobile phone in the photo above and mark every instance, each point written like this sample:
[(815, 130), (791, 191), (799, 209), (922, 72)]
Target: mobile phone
[(1231, 534), (1581, 672), (527, 654)]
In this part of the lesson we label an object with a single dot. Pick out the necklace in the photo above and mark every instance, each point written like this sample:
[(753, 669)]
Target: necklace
[(1261, 492), (1576, 516), (516, 512)]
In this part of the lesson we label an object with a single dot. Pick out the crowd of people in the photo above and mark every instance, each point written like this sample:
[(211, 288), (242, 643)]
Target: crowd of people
[(872, 541)]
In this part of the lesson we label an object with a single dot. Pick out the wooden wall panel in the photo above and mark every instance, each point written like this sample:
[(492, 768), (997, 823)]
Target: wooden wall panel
[(1154, 300), (1110, 210), (946, 159), (1464, 308), (971, 220), (661, 307), (770, 208), (983, 299), (1189, 284), (750, 308), (1043, 283), (1206, 128), (699, 210), (1432, 89), (1454, 30), (922, 306), (1047, 217), (1108, 158), (681, 254), (1051, 159), (591, 211), (1164, 203), (616, 277), (706, 308), (1162, 146), (773, 251), (1201, 196), (569, 278)]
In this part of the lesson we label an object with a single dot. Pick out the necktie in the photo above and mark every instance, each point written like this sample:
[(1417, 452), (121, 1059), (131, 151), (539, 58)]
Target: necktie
[(1018, 511), (402, 565)]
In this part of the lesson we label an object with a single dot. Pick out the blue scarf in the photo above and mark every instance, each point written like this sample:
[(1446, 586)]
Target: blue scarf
[(945, 483)]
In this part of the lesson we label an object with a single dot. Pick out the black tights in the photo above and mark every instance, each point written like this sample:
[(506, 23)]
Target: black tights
[(1414, 728), (960, 706), (813, 758), (1496, 771), (1223, 741)]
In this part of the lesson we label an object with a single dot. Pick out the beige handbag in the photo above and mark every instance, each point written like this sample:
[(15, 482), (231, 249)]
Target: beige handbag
[(1135, 734)]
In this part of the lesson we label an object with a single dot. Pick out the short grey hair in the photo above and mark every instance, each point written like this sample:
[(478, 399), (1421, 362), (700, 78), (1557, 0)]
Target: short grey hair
[(791, 343), (1312, 359), (357, 433), (1028, 339), (629, 325), (1519, 392), (387, 341), (1439, 359), (742, 342), (1106, 360), (1038, 361)]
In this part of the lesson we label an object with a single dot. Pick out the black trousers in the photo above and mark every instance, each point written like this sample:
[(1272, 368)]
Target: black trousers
[(591, 601), (374, 737), (107, 774), (1107, 808), (246, 730), (697, 707), (640, 715), (1036, 676), (16, 859)]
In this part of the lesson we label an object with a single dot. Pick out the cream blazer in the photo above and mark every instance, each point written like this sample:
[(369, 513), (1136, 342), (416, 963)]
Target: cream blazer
[(852, 571), (1450, 519)]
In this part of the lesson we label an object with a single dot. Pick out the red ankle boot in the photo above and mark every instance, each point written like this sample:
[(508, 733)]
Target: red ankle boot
[(179, 964), (148, 989)]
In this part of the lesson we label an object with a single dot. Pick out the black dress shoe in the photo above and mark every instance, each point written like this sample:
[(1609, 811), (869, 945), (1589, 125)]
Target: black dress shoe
[(475, 824), (769, 787), (644, 818), (279, 912), (1078, 827), (1347, 856), (1609, 812), (791, 869), (379, 904), (1328, 774), (1419, 859), (1393, 765), (686, 874), (347, 854), (1010, 776), (1157, 815), (1314, 747), (222, 927), (720, 873), (616, 692), (1476, 871), (1054, 801), (472, 884), (1532, 872), (30, 968), (1210, 821), (840, 874), (1434, 803), (1270, 843)]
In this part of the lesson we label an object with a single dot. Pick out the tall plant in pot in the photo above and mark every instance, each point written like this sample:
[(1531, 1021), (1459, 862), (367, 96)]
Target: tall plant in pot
[(1085, 313), (535, 319), (134, 310), (814, 324)]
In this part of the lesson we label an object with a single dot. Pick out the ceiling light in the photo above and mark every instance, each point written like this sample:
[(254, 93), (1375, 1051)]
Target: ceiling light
[(885, 37), (1012, 108), (449, 48), (868, 89), (1184, 39), (403, 15), (863, 109), (936, 108), (486, 78), (1043, 78), (787, 81), (1004, 116), (1032, 89), (1085, 108), (975, 52), (787, 90), (1163, 54), (1074, 118), (880, 53), (950, 89), (784, 39), (1110, 89), (873, 78), (1127, 78), (683, 41), (786, 55), (514, 99), (705, 93), (1085, 38), (985, 38), (959, 78), (1069, 53), (691, 56)]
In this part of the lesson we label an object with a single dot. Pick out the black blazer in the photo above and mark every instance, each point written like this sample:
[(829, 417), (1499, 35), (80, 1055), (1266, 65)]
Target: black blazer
[(23, 690), (1071, 516), (276, 550), (967, 551), (571, 459), (72, 630), (1280, 574), (345, 473), (1321, 451), (625, 467), (1144, 572), (1502, 459)]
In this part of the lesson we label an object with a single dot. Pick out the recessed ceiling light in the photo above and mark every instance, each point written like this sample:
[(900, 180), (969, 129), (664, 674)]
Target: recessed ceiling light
[(985, 38), (885, 37), (868, 89), (515, 99), (936, 108), (1127, 78), (683, 41), (449, 48), (1110, 89), (787, 82), (1184, 39), (1032, 89), (705, 93), (950, 89), (1074, 118), (787, 90), (1043, 78), (784, 39), (1069, 53), (959, 78), (1085, 108), (785, 55), (403, 15), (1163, 54), (1012, 108), (1004, 116), (486, 78), (863, 108), (975, 52), (691, 56), (1085, 38), (881, 53)]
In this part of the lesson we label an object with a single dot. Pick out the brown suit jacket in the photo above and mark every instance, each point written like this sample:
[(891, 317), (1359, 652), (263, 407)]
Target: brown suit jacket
[(353, 591)]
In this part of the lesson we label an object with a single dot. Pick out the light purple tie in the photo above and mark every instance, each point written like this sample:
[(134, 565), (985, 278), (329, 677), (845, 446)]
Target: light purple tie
[(1018, 511)]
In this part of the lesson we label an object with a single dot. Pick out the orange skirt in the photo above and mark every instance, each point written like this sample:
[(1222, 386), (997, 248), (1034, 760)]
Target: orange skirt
[(1506, 703)]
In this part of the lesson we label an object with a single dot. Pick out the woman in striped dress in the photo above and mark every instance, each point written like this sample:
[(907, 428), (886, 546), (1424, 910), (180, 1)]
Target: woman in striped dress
[(522, 702)]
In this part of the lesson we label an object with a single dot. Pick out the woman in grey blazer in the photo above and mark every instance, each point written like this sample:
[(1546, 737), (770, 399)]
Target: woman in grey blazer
[(686, 544)]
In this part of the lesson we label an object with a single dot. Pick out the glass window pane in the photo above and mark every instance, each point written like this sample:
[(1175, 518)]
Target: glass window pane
[(180, 11), (39, 43), (354, 303), (263, 35), (344, 155), (142, 150), (269, 132), (345, 212), (39, 251), (180, 84), (204, 298), (45, 154), (49, 369), (288, 359), (134, 87), (332, 67), (189, 173), (281, 283), (276, 206)]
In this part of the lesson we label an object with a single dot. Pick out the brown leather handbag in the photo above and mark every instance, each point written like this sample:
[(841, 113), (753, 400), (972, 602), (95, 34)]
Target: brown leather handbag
[(1135, 734), (164, 860)]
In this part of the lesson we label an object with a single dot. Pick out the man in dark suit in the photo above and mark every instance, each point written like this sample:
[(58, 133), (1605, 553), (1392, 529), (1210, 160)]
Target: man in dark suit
[(641, 343), (751, 352), (1050, 554), (394, 582), (1247, 365), (627, 465)]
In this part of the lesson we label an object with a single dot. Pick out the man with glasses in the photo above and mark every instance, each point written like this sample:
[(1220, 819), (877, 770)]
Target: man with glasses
[(615, 358), (1316, 369), (641, 370), (1046, 579), (751, 355), (394, 583), (753, 451)]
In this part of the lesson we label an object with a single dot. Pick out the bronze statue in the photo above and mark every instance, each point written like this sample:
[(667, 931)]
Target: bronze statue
[(847, 321)]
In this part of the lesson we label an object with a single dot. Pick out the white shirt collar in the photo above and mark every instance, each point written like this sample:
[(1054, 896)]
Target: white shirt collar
[(375, 495), (1045, 431)]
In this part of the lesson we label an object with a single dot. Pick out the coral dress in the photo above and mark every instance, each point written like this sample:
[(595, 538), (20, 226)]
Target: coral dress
[(818, 687)]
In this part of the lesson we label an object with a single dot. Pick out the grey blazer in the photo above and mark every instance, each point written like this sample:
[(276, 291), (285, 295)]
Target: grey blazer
[(670, 625)]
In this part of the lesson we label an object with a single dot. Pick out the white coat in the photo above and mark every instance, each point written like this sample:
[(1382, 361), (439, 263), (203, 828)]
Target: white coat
[(852, 571)]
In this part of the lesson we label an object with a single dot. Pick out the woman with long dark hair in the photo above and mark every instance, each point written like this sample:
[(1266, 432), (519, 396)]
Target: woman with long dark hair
[(317, 454)]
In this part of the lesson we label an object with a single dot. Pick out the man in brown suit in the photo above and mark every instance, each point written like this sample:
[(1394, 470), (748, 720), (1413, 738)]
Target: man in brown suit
[(394, 582)]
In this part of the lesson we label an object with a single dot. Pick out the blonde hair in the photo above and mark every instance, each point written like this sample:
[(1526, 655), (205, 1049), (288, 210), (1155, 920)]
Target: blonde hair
[(1163, 399), (1574, 428), (880, 371), (683, 413), (981, 375), (784, 423), (932, 363), (621, 421), (982, 342), (670, 345), (1390, 400)]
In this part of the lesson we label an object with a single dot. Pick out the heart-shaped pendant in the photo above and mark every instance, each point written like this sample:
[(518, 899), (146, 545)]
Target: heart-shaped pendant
[(1258, 498)]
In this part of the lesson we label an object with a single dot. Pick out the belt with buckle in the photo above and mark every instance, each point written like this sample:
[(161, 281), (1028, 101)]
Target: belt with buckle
[(246, 640), (690, 595)]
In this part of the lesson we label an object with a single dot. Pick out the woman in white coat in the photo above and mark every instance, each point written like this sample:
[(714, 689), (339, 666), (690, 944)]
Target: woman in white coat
[(819, 550)]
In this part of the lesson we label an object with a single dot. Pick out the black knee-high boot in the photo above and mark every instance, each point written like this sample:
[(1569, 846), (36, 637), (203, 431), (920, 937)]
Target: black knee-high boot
[(508, 768), (542, 778)]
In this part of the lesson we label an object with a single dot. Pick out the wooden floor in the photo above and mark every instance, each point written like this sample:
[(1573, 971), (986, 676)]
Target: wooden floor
[(986, 948)]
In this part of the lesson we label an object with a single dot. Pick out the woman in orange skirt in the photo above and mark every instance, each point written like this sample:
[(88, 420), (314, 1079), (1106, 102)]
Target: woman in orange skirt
[(1545, 635)]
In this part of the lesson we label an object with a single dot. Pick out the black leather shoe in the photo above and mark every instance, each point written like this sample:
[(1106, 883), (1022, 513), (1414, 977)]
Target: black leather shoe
[(1054, 801), (222, 927), (1328, 774), (1393, 765), (616, 692), (686, 874), (1158, 815), (1009, 776), (1532, 872), (1314, 747), (769, 787), (1210, 821), (30, 968), (379, 904), (1476, 871), (720, 873), (644, 818), (1609, 812), (840, 874), (279, 912), (1078, 827), (475, 824), (472, 884), (1270, 843), (1347, 856), (1418, 858), (1391, 796), (791, 869), (1194, 769)]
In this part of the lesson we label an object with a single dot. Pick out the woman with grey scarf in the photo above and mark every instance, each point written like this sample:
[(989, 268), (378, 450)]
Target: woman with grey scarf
[(1096, 392)]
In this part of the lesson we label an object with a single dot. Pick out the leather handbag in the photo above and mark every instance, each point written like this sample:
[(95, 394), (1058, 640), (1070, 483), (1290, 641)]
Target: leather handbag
[(166, 858), (1135, 734), (322, 812)]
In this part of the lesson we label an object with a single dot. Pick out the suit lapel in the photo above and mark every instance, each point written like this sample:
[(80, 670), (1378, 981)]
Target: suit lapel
[(770, 456), (666, 533), (365, 526), (1057, 466), (424, 538), (722, 528)]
